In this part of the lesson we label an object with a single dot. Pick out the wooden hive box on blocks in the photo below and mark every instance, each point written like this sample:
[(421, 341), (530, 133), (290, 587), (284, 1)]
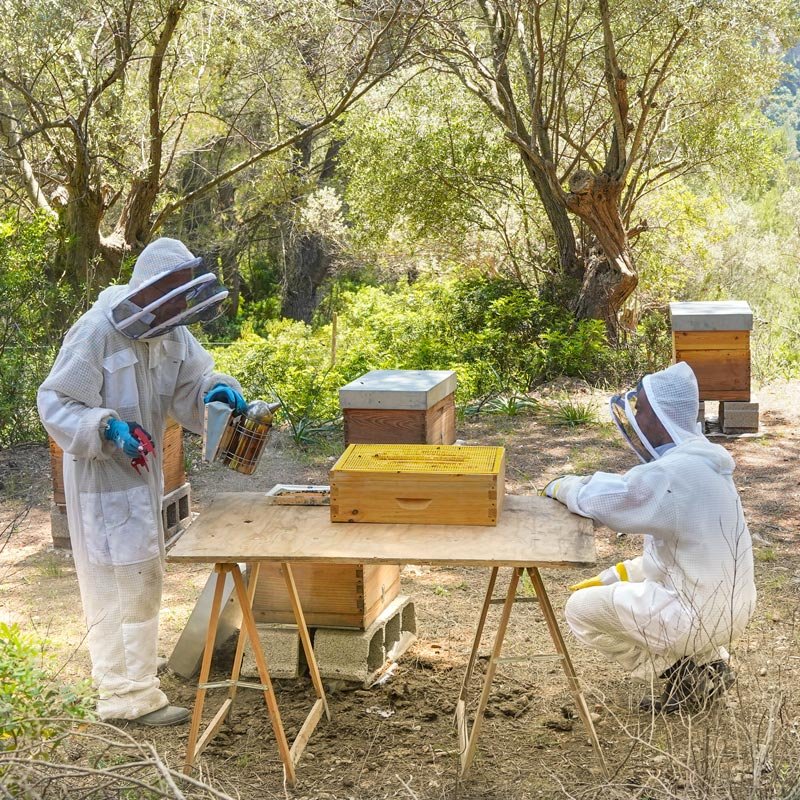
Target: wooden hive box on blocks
[(174, 477), (331, 595), (396, 406), (714, 339), (432, 484)]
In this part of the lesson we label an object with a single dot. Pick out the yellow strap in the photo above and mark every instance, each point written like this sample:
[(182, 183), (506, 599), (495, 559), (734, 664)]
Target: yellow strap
[(585, 584), (621, 571)]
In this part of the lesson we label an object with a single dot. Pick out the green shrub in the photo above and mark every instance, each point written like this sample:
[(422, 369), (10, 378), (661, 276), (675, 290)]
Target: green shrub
[(639, 352), (498, 337), (291, 363), (524, 338), (34, 309), (571, 413), (33, 707)]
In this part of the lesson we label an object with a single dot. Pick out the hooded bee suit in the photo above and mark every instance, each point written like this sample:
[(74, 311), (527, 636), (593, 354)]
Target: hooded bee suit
[(691, 592), (114, 513)]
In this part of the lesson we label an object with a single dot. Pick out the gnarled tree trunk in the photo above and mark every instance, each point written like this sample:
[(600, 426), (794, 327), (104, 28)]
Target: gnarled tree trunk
[(609, 280)]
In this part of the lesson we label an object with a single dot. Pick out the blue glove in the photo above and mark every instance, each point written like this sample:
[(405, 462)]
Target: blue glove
[(123, 436), (225, 394)]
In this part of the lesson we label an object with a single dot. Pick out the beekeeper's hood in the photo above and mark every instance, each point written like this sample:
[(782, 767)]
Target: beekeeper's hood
[(169, 287), (674, 399)]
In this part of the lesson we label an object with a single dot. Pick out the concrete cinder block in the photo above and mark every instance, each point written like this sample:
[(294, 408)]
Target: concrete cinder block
[(59, 528), (349, 655), (176, 509), (408, 615), (359, 655), (738, 417), (282, 652)]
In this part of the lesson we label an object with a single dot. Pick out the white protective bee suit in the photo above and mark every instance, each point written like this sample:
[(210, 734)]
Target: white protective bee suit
[(691, 592), (114, 513)]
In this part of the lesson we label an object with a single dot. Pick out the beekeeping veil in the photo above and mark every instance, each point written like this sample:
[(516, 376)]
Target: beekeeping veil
[(674, 398), (169, 287)]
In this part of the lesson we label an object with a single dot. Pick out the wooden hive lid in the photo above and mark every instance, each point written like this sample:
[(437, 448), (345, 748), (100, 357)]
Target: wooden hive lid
[(421, 458), (398, 389), (711, 315)]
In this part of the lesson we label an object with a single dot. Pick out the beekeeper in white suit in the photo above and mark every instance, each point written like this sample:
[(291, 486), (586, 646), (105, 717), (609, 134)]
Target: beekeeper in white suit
[(674, 610), (126, 365)]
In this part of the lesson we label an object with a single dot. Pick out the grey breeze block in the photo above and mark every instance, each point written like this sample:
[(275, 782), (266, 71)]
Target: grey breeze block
[(282, 651), (738, 417), (344, 654), (360, 655)]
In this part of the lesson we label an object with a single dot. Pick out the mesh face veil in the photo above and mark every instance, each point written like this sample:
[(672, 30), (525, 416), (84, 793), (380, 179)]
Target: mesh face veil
[(623, 412), (181, 295)]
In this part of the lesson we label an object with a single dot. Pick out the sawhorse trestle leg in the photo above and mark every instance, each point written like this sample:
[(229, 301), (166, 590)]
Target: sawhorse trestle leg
[(289, 755), (468, 737)]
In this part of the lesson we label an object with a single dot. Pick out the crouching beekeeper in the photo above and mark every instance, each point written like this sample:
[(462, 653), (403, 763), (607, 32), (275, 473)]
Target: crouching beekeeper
[(674, 610), (124, 366)]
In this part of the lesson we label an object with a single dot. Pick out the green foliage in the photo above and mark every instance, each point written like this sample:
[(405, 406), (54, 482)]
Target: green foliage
[(422, 159), (498, 337), (32, 705), (292, 364), (648, 348), (34, 313), (571, 412), (511, 405), (524, 339)]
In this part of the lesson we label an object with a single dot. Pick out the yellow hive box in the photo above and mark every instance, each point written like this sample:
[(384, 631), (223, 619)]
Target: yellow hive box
[(433, 484)]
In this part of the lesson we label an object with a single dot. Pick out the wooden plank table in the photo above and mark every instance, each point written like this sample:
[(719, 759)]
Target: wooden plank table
[(532, 532)]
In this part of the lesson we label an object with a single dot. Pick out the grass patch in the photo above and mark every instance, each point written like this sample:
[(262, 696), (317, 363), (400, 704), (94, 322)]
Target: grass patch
[(50, 566), (569, 412), (765, 555)]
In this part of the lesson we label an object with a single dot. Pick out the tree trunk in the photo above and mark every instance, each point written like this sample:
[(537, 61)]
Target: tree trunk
[(309, 257), (611, 279), (558, 217), (78, 256), (133, 226), (309, 265)]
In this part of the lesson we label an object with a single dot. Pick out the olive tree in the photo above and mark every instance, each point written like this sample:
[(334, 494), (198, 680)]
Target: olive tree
[(605, 100), (100, 103)]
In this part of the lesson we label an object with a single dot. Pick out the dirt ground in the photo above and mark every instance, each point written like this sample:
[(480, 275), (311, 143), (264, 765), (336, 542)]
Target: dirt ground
[(397, 739)]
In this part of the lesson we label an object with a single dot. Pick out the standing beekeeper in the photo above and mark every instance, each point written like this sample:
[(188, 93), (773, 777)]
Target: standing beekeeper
[(124, 366), (674, 610)]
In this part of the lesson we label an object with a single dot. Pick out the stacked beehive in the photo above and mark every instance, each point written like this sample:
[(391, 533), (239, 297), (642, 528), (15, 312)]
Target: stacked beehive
[(714, 339), (384, 406), (396, 406)]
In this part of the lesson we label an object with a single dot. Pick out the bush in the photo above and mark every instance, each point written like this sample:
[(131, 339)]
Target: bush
[(498, 337), (639, 352), (32, 706), (34, 311), (291, 363)]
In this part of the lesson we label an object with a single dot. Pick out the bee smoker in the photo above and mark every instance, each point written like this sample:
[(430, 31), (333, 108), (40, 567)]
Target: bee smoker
[(238, 442)]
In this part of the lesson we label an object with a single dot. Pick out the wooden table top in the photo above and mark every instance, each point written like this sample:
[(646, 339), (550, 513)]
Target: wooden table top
[(246, 526)]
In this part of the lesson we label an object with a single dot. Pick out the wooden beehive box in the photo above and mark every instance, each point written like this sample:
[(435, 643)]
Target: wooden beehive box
[(714, 339), (172, 461), (396, 406), (440, 484), (331, 595)]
